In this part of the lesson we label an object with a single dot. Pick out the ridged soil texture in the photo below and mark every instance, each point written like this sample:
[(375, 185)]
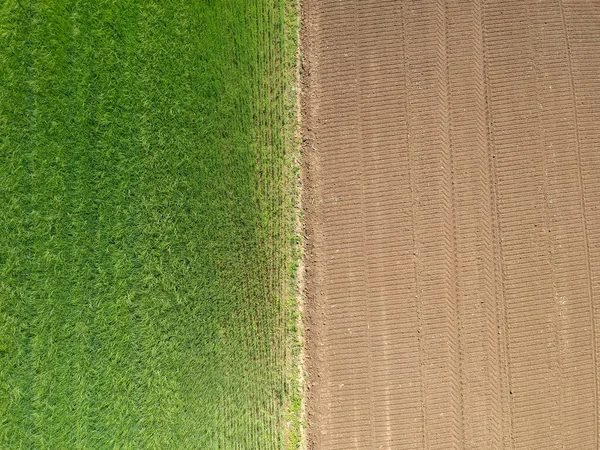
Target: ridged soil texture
[(453, 217)]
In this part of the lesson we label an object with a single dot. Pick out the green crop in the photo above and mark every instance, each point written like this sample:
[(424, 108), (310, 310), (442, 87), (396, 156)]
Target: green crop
[(145, 251)]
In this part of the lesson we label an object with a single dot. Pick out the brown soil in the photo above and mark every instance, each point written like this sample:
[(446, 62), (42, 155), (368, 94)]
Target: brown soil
[(452, 196)]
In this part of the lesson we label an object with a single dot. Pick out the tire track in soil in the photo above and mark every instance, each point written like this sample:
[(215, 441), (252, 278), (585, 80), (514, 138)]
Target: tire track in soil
[(453, 221)]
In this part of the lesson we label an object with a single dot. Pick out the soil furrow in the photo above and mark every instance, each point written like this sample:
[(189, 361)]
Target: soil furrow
[(453, 253)]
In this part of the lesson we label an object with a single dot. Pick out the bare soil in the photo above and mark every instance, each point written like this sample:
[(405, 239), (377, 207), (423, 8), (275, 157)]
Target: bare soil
[(452, 196)]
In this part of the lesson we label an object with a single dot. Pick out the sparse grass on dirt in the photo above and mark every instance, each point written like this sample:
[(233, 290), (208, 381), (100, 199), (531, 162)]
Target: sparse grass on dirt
[(146, 236)]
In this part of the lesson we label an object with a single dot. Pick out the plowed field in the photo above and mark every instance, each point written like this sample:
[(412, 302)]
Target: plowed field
[(453, 213)]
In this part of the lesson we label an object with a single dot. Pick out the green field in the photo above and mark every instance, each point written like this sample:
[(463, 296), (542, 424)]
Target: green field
[(146, 224)]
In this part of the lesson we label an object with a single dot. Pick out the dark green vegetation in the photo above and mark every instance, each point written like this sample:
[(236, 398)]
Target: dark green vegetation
[(146, 245)]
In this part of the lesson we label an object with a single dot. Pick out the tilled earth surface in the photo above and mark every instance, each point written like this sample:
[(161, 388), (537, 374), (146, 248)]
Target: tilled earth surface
[(453, 211)]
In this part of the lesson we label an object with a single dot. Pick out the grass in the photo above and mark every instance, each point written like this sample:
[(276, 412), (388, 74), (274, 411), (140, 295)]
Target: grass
[(146, 231)]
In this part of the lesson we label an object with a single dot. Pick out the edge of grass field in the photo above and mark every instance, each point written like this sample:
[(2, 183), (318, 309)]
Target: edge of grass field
[(295, 433)]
